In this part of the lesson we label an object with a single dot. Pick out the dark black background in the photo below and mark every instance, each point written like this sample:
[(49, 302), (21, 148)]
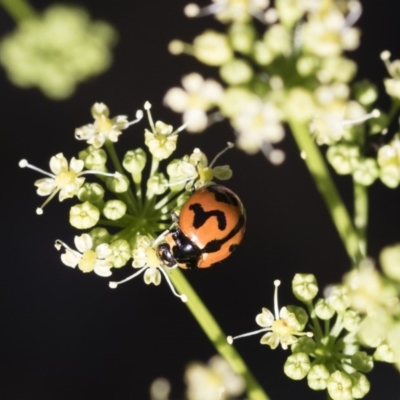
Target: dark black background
[(66, 335)]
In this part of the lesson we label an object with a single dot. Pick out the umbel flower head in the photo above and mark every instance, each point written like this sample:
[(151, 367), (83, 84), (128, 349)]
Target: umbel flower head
[(292, 69), (57, 50), (283, 327), (128, 211)]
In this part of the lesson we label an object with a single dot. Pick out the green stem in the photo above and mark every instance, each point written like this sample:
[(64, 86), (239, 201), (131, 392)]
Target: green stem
[(320, 173), (216, 335), (128, 196), (19, 10), (317, 326), (361, 215)]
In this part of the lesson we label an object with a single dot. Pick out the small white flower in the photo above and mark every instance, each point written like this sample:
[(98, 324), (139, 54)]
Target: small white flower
[(146, 260), (258, 123), (197, 97), (281, 327), (104, 128), (65, 179), (86, 258), (161, 140), (329, 34)]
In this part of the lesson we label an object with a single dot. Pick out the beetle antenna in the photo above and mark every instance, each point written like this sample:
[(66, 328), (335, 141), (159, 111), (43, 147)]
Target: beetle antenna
[(229, 146)]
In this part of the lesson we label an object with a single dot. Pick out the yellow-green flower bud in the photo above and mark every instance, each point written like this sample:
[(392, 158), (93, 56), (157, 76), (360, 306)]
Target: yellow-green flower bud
[(339, 386), (114, 209), (304, 287), (318, 376), (361, 385), (289, 11), (300, 314), (307, 65), (222, 172), (374, 327), (304, 344), (278, 40), (351, 320), (157, 184), (263, 54), (236, 72), (339, 299), (297, 366), (119, 184), (212, 48), (323, 310), (135, 161), (366, 171), (121, 252), (389, 161), (384, 353), (337, 69), (299, 105), (84, 216), (365, 92), (343, 158), (93, 158), (377, 125), (99, 236), (390, 261), (234, 100), (361, 361), (394, 342), (390, 175), (242, 37), (92, 192)]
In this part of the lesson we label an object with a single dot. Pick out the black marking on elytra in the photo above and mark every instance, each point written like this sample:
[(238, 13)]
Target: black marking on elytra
[(216, 244), (233, 247), (201, 216), (223, 195)]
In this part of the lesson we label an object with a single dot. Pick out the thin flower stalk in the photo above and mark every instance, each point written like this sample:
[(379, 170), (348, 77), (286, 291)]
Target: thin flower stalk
[(217, 337), (361, 215), (337, 210), (19, 10)]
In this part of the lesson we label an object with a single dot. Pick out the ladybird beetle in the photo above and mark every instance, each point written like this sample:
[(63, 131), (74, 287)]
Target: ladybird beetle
[(210, 226)]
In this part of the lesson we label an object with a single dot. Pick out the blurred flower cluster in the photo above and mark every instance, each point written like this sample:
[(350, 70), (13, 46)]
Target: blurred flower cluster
[(375, 294), (130, 202), (212, 381), (363, 312), (57, 50), (278, 63), (284, 62)]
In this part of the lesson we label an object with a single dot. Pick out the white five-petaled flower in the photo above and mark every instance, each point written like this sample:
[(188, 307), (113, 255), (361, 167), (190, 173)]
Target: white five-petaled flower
[(161, 140), (258, 124), (104, 128), (65, 179), (281, 327), (197, 96), (145, 258), (194, 171), (86, 258)]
